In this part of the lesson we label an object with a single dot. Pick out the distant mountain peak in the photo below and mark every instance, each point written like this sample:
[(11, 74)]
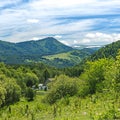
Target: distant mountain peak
[(49, 38), (32, 50)]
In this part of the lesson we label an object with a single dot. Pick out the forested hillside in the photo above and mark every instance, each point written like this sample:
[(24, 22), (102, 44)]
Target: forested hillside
[(107, 51), (23, 52), (67, 59)]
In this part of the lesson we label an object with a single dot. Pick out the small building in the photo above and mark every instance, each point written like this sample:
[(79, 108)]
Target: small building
[(42, 87)]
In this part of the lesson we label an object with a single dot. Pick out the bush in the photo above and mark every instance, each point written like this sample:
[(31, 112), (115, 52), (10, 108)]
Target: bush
[(63, 86), (13, 91), (94, 74), (30, 94)]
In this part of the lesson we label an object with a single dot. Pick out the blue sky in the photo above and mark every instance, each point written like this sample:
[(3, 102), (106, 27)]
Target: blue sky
[(70, 21)]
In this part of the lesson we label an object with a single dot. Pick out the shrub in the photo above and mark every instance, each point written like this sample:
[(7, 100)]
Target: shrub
[(30, 94), (13, 91), (63, 86)]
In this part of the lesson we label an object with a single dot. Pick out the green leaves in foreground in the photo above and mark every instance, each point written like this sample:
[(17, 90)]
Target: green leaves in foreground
[(9, 91)]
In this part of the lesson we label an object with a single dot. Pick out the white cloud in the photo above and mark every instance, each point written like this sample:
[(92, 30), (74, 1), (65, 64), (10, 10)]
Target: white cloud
[(90, 35), (86, 41), (41, 18), (32, 20), (75, 41), (59, 3), (7, 2), (64, 42), (98, 38), (57, 36), (35, 38)]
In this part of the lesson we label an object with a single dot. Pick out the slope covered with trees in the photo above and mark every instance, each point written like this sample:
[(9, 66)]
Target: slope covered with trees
[(19, 53), (67, 59), (107, 51)]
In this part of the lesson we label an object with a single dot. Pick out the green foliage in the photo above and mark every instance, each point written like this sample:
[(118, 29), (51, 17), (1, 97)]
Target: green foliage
[(63, 86), (31, 79), (13, 91), (97, 107), (73, 71), (46, 75), (111, 114), (2, 94), (30, 94), (94, 74), (113, 75), (15, 79), (108, 51)]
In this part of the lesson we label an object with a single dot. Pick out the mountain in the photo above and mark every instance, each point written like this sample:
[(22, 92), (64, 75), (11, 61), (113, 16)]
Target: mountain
[(107, 51), (45, 46), (16, 53)]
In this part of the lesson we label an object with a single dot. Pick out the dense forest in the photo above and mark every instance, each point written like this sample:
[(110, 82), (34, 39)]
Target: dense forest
[(107, 51), (88, 91)]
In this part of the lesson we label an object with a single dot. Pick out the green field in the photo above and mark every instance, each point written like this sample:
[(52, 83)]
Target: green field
[(61, 56), (96, 107), (64, 56)]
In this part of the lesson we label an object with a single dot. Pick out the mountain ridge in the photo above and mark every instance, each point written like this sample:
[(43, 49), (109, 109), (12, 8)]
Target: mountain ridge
[(108, 51), (28, 49)]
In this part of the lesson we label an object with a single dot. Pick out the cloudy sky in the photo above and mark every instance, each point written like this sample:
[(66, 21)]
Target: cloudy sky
[(70, 21)]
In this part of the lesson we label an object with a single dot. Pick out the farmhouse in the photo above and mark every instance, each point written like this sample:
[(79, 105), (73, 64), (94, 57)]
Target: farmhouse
[(40, 87)]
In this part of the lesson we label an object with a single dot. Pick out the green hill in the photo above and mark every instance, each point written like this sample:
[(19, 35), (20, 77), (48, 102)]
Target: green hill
[(107, 51), (17, 53)]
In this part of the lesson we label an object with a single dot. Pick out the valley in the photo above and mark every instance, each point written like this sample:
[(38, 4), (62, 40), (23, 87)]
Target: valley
[(88, 90)]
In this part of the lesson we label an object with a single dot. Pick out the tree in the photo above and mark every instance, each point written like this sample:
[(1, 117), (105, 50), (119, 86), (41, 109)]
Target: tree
[(2, 95), (46, 75), (62, 86), (112, 75), (31, 79), (13, 91), (94, 74), (30, 94)]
